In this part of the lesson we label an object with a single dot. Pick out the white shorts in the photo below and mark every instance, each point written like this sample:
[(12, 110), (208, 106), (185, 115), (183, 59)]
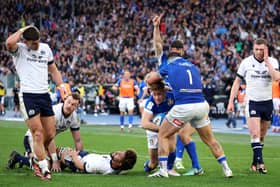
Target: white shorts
[(276, 103), (241, 108), (194, 113), (126, 103), (143, 103), (152, 139), (2, 99)]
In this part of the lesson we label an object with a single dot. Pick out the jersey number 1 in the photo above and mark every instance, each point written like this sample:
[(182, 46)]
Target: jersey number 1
[(190, 76)]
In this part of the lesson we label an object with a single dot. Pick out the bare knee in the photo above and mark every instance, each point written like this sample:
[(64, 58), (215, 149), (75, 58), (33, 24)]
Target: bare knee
[(37, 134), (49, 136)]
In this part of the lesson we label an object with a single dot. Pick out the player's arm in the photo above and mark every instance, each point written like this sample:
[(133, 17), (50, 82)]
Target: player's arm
[(275, 75), (11, 42), (116, 86), (55, 74), (53, 155), (146, 121), (77, 162), (136, 88), (157, 41), (233, 93), (77, 140)]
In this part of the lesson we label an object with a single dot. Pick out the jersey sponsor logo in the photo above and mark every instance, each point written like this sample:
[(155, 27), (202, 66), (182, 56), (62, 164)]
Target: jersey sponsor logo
[(259, 72), (31, 112), (177, 122)]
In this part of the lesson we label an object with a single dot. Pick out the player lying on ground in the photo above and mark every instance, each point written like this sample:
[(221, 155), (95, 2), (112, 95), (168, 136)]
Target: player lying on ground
[(81, 161)]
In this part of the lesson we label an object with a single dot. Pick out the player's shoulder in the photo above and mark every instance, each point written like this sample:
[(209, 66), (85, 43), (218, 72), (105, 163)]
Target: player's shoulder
[(249, 59)]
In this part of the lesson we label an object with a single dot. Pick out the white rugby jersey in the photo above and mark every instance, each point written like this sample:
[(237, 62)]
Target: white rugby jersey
[(98, 164), (32, 67), (62, 123), (257, 77)]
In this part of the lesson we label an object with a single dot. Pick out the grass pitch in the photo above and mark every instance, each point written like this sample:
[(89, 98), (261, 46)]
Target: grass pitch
[(105, 139)]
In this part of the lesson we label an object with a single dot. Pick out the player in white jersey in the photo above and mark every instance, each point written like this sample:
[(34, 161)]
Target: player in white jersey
[(81, 161), (66, 118), (258, 70), (33, 61)]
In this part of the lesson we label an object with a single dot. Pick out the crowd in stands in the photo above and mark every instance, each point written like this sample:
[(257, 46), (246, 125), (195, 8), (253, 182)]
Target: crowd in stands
[(94, 41)]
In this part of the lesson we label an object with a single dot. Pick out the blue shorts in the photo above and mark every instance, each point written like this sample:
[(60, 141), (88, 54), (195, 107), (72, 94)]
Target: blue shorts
[(261, 109), (33, 104)]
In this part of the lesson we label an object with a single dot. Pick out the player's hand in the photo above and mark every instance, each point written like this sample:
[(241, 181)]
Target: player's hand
[(65, 90), (157, 19), (265, 54), (230, 107), (24, 28), (56, 166)]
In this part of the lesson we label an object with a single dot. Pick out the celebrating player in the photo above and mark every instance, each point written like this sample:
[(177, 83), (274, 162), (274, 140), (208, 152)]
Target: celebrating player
[(158, 104), (190, 105)]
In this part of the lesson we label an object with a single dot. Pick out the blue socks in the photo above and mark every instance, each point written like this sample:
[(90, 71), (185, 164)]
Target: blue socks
[(122, 120), (130, 119), (171, 159), (179, 148), (191, 149)]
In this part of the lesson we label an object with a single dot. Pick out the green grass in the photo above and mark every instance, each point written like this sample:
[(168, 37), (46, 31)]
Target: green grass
[(104, 139)]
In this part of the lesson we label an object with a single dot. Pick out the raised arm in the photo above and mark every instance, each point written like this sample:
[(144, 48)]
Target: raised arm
[(157, 41), (11, 42)]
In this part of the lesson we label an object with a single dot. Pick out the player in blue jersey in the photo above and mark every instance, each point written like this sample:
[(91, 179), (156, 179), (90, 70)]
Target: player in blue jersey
[(143, 94), (160, 102), (190, 105)]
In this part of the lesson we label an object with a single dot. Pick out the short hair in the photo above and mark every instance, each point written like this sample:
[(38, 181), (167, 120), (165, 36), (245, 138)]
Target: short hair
[(76, 96), (129, 161), (158, 86), (260, 41), (31, 34), (140, 76), (178, 44)]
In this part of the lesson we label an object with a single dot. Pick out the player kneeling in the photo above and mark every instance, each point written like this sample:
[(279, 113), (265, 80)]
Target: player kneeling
[(81, 161)]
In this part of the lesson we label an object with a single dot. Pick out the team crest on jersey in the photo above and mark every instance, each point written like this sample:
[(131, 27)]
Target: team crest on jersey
[(31, 112), (170, 102), (253, 112), (42, 52)]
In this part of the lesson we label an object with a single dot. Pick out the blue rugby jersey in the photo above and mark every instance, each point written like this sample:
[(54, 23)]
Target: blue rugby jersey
[(184, 79), (163, 107)]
